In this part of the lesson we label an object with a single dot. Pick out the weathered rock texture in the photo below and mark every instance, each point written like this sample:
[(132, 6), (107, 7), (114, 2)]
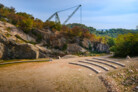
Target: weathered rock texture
[(95, 46), (99, 47), (12, 31), (15, 44), (9, 49), (12, 47), (74, 48)]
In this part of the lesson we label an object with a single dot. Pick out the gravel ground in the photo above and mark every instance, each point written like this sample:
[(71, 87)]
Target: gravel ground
[(56, 76)]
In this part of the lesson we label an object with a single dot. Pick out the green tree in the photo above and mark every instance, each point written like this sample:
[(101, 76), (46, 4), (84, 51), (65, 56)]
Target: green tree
[(111, 41), (126, 45), (26, 25)]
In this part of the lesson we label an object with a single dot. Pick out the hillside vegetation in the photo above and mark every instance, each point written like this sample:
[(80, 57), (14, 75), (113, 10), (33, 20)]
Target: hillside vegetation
[(126, 45), (67, 39), (111, 32), (28, 23)]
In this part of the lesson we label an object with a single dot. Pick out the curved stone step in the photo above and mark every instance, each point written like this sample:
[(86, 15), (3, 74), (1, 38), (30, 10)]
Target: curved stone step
[(106, 69), (96, 71), (102, 63), (110, 61)]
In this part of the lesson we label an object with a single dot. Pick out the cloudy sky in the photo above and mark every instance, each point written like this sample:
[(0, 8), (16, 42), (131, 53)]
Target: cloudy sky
[(101, 14)]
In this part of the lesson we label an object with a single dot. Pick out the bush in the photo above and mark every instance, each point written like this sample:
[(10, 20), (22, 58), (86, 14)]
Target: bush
[(52, 25), (111, 42), (64, 47), (126, 45)]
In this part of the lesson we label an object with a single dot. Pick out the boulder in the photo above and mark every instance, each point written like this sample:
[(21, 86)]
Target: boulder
[(12, 30), (20, 51), (75, 48), (100, 47), (10, 49), (58, 42), (56, 53), (44, 52), (95, 46), (86, 43)]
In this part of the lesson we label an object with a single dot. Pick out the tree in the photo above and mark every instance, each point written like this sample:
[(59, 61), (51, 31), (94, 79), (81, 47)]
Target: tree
[(126, 45), (76, 31), (38, 23), (1, 6), (111, 41), (52, 25), (26, 25)]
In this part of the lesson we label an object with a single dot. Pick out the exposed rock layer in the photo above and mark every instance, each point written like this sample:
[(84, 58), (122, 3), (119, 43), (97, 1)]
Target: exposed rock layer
[(15, 44)]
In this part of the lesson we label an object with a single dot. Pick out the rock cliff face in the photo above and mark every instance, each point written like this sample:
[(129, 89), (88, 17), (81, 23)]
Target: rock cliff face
[(99, 47), (13, 47), (12, 30), (9, 49), (75, 48), (15, 44), (95, 46)]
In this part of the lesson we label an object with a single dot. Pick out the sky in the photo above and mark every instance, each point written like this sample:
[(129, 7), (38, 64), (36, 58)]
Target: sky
[(100, 14)]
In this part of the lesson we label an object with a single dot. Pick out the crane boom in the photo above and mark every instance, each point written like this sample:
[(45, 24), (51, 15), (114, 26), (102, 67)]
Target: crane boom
[(71, 14), (57, 19), (51, 17)]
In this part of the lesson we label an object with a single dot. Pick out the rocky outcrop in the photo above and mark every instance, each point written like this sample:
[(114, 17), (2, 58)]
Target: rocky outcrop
[(20, 51), (10, 49), (75, 48), (100, 47), (95, 46), (12, 30), (86, 43), (56, 53), (15, 44), (58, 42)]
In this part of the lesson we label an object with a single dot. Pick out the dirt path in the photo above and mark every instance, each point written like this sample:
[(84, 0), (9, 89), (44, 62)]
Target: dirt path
[(55, 76)]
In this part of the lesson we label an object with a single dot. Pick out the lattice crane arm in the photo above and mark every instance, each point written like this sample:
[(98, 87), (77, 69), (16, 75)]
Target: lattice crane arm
[(71, 14), (57, 19)]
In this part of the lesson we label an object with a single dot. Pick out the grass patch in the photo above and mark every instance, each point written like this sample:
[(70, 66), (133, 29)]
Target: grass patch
[(6, 65), (20, 61)]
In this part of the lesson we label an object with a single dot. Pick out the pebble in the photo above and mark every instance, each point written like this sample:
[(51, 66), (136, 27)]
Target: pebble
[(136, 87), (125, 89), (50, 59), (90, 74), (114, 76), (79, 69), (131, 71)]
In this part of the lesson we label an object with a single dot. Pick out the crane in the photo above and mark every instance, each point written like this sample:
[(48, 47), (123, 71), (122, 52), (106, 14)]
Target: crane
[(57, 19)]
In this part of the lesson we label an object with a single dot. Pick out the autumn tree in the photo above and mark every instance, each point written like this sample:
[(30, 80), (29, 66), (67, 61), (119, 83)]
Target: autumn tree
[(76, 31), (38, 23), (52, 25)]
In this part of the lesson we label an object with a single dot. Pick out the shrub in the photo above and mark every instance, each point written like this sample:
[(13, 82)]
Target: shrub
[(126, 45), (64, 47)]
